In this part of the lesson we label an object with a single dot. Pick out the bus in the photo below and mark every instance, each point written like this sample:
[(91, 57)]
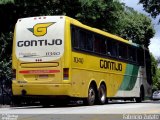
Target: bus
[(56, 58)]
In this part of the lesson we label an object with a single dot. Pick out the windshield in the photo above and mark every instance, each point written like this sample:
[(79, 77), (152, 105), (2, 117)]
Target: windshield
[(40, 39)]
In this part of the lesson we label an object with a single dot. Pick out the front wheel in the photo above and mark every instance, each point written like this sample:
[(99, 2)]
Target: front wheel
[(90, 100)]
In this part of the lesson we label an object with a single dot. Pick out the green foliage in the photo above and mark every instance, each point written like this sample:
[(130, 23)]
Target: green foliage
[(155, 73), (6, 1), (101, 14), (135, 26), (151, 6), (157, 83), (5, 57), (154, 65)]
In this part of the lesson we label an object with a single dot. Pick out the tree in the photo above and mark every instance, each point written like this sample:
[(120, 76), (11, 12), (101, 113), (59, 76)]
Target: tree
[(157, 84), (151, 6), (155, 73), (5, 57), (101, 14), (135, 26), (158, 59)]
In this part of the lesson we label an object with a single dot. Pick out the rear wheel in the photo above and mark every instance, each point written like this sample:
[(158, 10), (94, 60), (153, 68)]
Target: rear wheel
[(90, 100), (102, 94), (141, 98)]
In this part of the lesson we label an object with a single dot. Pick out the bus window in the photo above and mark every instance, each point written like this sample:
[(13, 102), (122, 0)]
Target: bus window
[(111, 48), (89, 44), (99, 45), (132, 53), (75, 37), (82, 39), (103, 43), (122, 49), (96, 44)]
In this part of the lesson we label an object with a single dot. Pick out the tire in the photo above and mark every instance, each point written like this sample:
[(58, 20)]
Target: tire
[(90, 100), (102, 94), (141, 98)]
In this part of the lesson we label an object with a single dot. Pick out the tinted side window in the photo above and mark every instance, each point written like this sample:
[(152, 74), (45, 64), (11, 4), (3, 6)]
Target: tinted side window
[(99, 44), (103, 45), (111, 48), (74, 37), (82, 39), (96, 44), (122, 48), (132, 53), (89, 44)]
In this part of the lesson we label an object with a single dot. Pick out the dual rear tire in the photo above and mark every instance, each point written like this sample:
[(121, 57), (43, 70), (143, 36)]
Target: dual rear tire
[(96, 96)]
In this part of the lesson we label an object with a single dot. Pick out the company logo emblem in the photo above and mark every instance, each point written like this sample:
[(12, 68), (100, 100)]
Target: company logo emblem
[(40, 29)]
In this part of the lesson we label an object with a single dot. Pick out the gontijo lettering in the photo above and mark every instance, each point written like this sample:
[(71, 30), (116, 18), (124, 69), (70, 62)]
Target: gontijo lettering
[(106, 64), (46, 42)]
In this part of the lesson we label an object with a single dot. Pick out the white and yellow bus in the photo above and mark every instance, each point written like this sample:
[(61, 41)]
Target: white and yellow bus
[(58, 57)]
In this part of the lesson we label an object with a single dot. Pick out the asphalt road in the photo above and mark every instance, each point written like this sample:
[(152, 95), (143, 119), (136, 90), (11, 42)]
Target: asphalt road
[(113, 110)]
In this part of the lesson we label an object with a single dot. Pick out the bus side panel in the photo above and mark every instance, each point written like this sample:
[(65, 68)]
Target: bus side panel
[(130, 86), (134, 78), (86, 68)]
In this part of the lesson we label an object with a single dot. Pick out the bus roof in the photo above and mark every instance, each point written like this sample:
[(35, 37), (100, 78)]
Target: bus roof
[(76, 22)]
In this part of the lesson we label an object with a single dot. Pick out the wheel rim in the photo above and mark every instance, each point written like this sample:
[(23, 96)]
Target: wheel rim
[(102, 94), (91, 96)]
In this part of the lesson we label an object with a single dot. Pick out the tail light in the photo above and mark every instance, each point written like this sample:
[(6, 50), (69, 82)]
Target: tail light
[(65, 73), (14, 74)]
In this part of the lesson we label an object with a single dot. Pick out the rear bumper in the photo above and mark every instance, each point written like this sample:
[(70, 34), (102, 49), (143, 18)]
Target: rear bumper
[(41, 89)]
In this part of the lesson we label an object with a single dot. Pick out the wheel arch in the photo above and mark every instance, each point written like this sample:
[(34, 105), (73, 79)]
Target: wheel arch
[(102, 82), (93, 82)]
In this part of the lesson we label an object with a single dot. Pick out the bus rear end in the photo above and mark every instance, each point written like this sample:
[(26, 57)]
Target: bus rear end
[(38, 50)]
